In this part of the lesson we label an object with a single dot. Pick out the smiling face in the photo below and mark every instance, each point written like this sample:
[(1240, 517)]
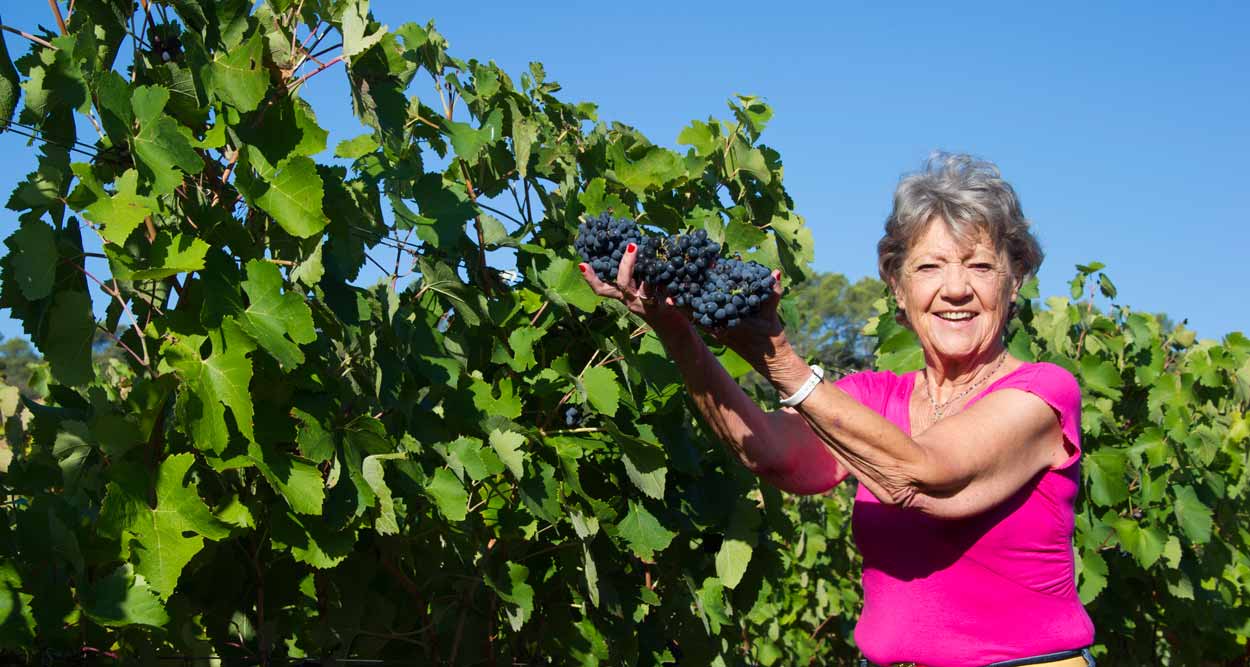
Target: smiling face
[(956, 295)]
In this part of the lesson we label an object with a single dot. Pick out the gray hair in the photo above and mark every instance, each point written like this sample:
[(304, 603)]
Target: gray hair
[(972, 199)]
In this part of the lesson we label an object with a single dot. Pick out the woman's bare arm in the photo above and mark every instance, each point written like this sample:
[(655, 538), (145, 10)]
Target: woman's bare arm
[(963, 465)]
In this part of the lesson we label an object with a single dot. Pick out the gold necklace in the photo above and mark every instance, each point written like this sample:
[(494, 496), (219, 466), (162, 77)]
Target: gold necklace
[(939, 410)]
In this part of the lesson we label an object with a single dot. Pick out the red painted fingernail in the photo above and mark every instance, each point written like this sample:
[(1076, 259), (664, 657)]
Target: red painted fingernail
[(584, 267), (631, 248)]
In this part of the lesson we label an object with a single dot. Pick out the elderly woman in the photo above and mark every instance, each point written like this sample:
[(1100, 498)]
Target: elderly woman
[(967, 468)]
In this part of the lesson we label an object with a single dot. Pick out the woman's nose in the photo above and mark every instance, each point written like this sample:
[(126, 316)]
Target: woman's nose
[(955, 283)]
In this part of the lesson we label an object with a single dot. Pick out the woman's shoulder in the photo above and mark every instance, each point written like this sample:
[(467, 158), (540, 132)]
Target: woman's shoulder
[(1047, 379)]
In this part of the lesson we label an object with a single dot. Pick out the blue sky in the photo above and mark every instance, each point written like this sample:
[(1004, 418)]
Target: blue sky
[(1124, 127)]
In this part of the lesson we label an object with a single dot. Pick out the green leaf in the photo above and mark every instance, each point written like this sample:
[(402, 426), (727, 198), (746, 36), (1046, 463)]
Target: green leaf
[(513, 589), (468, 454), (9, 86), (34, 257), (238, 76), (122, 212), (507, 445), (297, 481), (66, 342), (311, 540), (655, 168), (279, 322), (1100, 377), (17, 623), (1145, 543), (375, 477), (1106, 286), (121, 598), (643, 533), (522, 341), (315, 443), (213, 384), (1194, 516), (355, 23), (740, 540), (595, 199), (166, 536), (449, 494), (293, 196), (1107, 469), (168, 256), (1092, 570), (599, 385), (565, 284), (159, 147), (591, 572), (644, 464), (356, 147)]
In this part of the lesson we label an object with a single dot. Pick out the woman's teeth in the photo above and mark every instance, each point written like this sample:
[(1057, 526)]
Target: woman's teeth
[(955, 316)]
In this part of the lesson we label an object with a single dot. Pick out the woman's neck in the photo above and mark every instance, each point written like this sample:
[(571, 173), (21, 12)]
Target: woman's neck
[(947, 377)]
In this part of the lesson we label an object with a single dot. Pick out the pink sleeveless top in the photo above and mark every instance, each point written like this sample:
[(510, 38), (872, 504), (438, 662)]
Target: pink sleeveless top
[(969, 592)]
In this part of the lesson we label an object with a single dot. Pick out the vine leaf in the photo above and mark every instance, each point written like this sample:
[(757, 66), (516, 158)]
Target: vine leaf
[(119, 213), (67, 340), (601, 389), (507, 405), (214, 383), (566, 285), (1193, 515), (1146, 543), (160, 147), (160, 540), (467, 454), (311, 540), (169, 255), (296, 480), (355, 23), (34, 257), (122, 598), (238, 76), (9, 88), (643, 533), (293, 195), (507, 444), (512, 588), (449, 494), (735, 551), (375, 477), (279, 322)]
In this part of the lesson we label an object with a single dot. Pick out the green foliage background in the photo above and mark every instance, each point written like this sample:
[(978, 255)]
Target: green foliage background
[(286, 463)]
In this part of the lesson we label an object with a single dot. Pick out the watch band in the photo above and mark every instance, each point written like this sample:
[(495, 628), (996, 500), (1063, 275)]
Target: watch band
[(799, 396)]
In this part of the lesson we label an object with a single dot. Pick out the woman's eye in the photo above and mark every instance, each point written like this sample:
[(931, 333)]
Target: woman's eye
[(982, 266)]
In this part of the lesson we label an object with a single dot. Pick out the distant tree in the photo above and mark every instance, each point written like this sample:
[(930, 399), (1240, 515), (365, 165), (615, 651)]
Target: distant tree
[(831, 313), (17, 360)]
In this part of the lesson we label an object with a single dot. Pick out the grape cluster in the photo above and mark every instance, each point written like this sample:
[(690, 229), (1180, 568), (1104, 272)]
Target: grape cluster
[(572, 416), (718, 292), (732, 290), (677, 264), (165, 42), (602, 240)]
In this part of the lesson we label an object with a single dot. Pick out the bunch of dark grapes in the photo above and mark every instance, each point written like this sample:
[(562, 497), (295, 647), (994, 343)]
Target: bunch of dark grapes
[(677, 263), (165, 48), (602, 240), (732, 289), (720, 292), (572, 416)]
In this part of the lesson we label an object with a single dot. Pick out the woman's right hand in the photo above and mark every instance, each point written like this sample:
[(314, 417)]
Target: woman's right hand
[(655, 309)]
